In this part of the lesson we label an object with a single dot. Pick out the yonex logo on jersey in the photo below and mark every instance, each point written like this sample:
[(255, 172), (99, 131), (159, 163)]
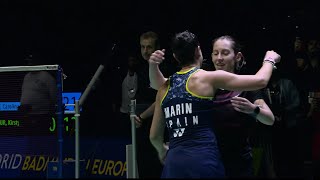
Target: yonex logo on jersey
[(181, 116), (178, 132)]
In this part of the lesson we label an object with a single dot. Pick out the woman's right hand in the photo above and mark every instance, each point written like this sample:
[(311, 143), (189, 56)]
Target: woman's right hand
[(157, 57), (272, 56)]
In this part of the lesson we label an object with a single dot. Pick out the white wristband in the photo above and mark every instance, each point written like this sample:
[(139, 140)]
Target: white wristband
[(271, 62), (270, 59)]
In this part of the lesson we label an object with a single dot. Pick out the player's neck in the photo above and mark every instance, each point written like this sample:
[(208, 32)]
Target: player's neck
[(188, 67)]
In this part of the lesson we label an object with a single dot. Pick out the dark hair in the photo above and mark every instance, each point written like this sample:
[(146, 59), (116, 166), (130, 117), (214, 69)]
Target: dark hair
[(236, 46), (183, 46)]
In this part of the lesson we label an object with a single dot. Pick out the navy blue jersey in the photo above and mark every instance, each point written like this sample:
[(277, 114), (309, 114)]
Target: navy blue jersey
[(193, 150)]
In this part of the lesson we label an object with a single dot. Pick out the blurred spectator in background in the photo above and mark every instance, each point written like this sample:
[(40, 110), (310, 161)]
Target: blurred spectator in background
[(38, 97), (283, 98)]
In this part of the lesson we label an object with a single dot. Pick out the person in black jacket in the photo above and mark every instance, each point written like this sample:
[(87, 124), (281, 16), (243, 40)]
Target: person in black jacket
[(283, 98)]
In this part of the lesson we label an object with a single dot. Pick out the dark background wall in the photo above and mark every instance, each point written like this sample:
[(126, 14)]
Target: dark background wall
[(71, 31), (78, 34)]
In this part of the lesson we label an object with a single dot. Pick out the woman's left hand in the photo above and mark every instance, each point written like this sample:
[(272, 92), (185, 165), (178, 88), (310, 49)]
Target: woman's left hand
[(242, 105)]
